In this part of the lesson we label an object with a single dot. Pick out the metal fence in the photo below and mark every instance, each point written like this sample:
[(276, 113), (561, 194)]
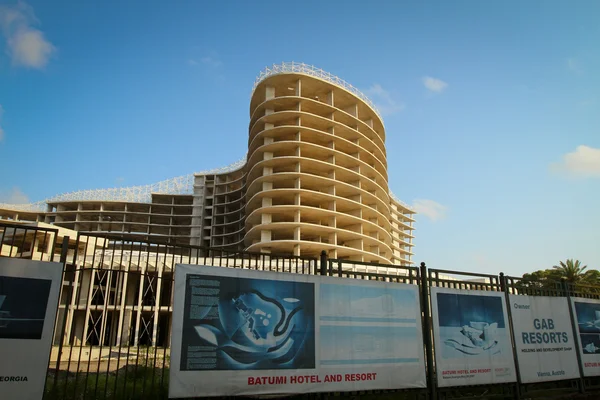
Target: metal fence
[(111, 337), (30, 242)]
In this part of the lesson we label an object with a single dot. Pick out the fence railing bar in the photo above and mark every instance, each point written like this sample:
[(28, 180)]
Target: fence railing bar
[(12, 242), (22, 246), (33, 243), (157, 316), (76, 300), (101, 318), (84, 336), (61, 329), (105, 311), (119, 339)]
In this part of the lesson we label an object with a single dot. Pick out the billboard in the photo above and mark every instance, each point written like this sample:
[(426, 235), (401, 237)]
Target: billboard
[(587, 318), (472, 337), (28, 301), (242, 332), (543, 338)]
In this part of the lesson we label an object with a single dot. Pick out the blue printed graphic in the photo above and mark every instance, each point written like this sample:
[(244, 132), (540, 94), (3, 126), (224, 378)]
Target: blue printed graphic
[(247, 324), (588, 321), (461, 309), (471, 326)]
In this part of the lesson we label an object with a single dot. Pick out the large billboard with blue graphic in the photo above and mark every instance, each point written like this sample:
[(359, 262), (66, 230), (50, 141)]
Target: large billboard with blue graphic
[(587, 319), (544, 338), (242, 332), (247, 324), (29, 292), (472, 337)]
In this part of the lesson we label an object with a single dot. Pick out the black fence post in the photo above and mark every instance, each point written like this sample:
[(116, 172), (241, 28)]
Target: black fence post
[(427, 336), (575, 327), (54, 239), (323, 262), (512, 334), (64, 251)]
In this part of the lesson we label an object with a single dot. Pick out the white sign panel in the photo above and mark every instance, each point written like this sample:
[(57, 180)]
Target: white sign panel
[(543, 338), (239, 332), (472, 338), (28, 302), (587, 318)]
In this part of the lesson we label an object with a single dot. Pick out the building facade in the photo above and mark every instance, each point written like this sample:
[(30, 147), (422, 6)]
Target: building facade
[(315, 178)]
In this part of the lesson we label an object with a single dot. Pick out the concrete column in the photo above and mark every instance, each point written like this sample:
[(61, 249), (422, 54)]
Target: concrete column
[(269, 93), (352, 110), (267, 186), (266, 218), (122, 306), (332, 207), (88, 311), (101, 218), (157, 303), (267, 202), (79, 327), (332, 238), (299, 87), (71, 312), (139, 304), (330, 98), (265, 235), (104, 308)]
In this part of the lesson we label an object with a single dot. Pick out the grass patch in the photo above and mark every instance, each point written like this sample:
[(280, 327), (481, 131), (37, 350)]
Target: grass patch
[(131, 382)]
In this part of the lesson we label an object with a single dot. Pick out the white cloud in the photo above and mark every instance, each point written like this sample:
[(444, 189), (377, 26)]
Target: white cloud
[(1, 130), (383, 100), (574, 65), (584, 162), (213, 62), (14, 196), (431, 209), (26, 45), (434, 84)]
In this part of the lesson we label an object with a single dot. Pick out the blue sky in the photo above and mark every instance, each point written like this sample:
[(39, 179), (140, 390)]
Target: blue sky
[(492, 109)]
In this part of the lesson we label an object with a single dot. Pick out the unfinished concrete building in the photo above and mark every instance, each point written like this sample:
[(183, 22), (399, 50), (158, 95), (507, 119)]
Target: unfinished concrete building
[(315, 178)]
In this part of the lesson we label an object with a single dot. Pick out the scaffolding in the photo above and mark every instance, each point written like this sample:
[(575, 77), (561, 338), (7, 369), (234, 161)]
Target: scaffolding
[(136, 194), (311, 70)]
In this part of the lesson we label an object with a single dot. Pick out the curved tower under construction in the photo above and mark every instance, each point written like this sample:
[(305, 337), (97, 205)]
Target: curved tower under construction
[(314, 178)]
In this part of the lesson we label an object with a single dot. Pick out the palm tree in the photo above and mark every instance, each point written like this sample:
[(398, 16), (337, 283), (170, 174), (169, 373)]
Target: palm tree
[(572, 271)]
